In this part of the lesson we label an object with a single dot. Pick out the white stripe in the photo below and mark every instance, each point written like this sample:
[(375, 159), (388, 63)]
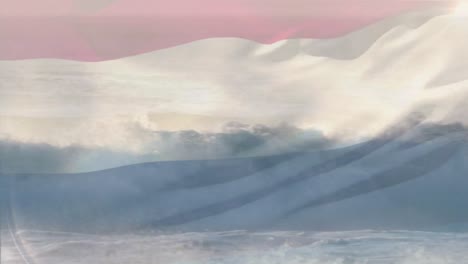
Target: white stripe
[(360, 80)]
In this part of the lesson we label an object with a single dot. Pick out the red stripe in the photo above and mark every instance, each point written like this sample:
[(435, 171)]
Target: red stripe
[(119, 28)]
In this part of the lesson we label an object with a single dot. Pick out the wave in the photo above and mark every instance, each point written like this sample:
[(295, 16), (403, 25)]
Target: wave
[(396, 180)]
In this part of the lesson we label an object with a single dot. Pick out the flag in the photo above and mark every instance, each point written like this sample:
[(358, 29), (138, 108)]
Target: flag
[(118, 116)]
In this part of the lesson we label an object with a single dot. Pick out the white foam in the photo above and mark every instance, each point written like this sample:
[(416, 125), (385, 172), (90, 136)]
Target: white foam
[(358, 247)]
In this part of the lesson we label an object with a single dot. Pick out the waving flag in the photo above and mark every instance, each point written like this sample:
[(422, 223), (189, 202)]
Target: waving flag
[(199, 118)]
